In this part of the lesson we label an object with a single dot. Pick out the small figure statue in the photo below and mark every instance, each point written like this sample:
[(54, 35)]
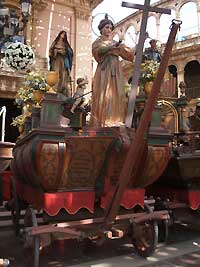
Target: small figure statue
[(78, 96), (182, 87), (61, 56), (152, 53)]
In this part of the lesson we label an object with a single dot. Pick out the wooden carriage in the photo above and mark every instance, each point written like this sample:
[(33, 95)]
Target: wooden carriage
[(78, 172), (178, 188), (90, 183)]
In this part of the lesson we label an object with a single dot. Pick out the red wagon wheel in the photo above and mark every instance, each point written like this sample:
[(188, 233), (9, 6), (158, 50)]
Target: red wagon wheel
[(32, 242), (15, 206), (144, 236)]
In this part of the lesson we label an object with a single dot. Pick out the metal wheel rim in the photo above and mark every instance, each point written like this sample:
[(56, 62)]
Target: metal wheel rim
[(146, 243)]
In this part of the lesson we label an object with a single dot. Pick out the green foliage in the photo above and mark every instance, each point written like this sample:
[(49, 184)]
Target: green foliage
[(33, 81), (19, 120)]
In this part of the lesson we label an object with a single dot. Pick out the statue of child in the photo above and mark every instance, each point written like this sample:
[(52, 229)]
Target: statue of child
[(78, 96)]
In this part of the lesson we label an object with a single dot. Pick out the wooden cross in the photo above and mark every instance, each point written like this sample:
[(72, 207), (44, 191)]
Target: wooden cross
[(135, 152), (136, 74)]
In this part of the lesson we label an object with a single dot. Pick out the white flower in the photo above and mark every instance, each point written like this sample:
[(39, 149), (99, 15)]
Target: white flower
[(19, 56)]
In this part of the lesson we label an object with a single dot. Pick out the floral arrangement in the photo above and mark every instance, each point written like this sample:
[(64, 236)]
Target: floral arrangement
[(19, 56), (19, 120), (148, 71), (33, 81)]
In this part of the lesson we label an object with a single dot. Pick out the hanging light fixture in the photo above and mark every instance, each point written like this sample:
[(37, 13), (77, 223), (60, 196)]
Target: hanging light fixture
[(26, 7), (9, 20)]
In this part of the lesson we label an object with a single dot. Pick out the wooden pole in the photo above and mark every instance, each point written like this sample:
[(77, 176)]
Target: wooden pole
[(137, 64), (136, 144)]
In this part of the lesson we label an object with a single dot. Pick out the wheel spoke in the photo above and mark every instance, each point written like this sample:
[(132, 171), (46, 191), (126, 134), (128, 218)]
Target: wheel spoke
[(145, 236)]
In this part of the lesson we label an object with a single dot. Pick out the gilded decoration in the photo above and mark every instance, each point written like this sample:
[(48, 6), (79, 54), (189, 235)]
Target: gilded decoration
[(49, 164), (157, 160), (86, 159)]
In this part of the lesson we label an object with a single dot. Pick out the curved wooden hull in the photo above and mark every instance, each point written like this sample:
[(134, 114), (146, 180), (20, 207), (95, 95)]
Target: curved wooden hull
[(182, 171), (180, 182), (5, 155), (66, 161)]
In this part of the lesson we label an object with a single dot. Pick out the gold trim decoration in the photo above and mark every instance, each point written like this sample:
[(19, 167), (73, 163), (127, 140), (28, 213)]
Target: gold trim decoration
[(175, 113)]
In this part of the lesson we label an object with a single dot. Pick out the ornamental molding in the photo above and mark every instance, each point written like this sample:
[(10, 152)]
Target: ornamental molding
[(83, 8), (39, 4), (95, 3), (12, 4), (82, 13)]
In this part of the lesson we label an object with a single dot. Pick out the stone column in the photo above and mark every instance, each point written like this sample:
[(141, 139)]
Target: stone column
[(37, 6), (178, 18), (198, 17), (33, 37), (158, 28), (28, 31)]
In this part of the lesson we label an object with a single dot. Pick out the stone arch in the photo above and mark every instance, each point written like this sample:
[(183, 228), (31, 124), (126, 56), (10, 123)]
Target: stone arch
[(190, 23), (173, 70), (130, 36), (181, 4), (116, 37), (122, 30), (192, 79), (169, 84), (128, 25)]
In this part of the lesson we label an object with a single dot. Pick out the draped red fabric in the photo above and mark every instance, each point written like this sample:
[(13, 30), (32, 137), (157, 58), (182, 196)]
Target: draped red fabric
[(131, 198)]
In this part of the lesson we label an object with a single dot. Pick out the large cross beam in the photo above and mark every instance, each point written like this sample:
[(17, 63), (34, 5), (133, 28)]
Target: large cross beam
[(136, 74)]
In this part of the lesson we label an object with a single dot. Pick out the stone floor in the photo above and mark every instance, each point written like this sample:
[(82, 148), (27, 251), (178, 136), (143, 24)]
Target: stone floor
[(182, 250)]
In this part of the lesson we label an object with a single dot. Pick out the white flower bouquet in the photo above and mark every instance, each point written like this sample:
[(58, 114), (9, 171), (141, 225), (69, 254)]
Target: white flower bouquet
[(148, 71), (36, 81), (19, 56)]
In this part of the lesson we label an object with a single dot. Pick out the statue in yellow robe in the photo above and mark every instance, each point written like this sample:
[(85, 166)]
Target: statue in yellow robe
[(109, 100)]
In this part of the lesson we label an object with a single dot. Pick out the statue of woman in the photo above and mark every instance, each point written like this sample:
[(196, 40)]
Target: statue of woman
[(109, 100), (61, 56)]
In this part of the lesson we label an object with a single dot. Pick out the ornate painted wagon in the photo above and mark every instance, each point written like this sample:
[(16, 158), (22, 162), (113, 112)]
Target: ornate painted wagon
[(178, 188), (90, 183), (72, 176)]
